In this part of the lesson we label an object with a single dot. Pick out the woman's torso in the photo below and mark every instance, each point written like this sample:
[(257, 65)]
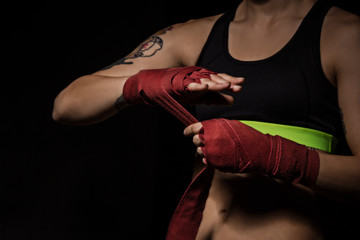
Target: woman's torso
[(243, 206)]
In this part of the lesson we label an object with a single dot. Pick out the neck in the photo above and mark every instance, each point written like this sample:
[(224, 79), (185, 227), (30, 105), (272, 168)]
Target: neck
[(269, 10)]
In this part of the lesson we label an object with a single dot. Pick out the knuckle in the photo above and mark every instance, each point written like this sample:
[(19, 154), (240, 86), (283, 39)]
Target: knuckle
[(204, 80), (186, 130), (192, 128), (195, 140)]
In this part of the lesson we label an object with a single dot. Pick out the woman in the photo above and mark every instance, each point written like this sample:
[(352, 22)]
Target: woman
[(299, 59)]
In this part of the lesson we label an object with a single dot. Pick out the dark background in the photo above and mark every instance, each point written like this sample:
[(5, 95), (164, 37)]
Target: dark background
[(120, 179)]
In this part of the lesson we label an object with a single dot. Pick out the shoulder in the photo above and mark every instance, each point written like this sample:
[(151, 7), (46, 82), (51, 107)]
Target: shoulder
[(188, 38), (341, 26), (342, 21), (341, 40), (201, 24)]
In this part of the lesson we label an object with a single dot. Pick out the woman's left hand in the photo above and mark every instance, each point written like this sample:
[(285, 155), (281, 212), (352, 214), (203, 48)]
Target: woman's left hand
[(193, 131)]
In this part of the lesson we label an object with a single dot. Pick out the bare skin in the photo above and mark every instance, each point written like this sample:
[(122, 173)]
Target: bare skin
[(234, 210), (90, 98)]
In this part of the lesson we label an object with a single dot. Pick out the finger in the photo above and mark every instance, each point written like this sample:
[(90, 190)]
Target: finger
[(218, 79), (198, 151), (235, 88), (192, 129), (216, 85), (197, 141), (234, 80), (197, 87)]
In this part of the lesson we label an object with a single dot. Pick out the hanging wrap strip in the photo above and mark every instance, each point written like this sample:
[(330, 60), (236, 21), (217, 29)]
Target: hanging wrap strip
[(160, 87)]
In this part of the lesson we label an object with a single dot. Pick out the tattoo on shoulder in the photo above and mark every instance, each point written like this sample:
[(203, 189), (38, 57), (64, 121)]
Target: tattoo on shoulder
[(146, 49)]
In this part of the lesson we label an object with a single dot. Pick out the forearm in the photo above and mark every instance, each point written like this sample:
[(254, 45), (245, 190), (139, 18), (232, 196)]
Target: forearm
[(339, 177), (89, 99)]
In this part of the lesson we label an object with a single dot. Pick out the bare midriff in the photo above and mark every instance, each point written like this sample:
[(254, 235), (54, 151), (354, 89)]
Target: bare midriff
[(254, 207)]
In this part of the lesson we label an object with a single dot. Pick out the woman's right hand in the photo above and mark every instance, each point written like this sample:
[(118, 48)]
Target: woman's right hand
[(211, 90)]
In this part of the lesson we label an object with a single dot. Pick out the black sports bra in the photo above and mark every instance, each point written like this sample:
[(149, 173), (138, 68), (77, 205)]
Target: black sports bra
[(287, 88)]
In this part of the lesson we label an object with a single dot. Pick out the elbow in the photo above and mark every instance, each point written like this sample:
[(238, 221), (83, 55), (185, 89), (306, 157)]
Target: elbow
[(57, 114), (62, 109), (68, 106), (69, 110)]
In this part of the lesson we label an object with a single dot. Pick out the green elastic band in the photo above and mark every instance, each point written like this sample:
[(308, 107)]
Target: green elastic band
[(306, 136)]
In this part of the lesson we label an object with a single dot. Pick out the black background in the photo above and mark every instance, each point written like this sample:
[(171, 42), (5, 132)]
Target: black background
[(120, 179)]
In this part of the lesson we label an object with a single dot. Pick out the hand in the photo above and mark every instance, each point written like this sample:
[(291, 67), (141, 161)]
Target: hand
[(209, 90), (172, 88), (187, 85), (231, 146), (194, 131)]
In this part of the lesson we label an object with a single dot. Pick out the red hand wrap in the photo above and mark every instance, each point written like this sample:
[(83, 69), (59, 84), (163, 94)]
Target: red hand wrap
[(186, 220), (232, 146), (164, 87)]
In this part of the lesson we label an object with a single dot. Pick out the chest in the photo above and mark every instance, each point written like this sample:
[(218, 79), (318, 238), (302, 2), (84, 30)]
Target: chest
[(251, 42), (248, 42), (285, 77)]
